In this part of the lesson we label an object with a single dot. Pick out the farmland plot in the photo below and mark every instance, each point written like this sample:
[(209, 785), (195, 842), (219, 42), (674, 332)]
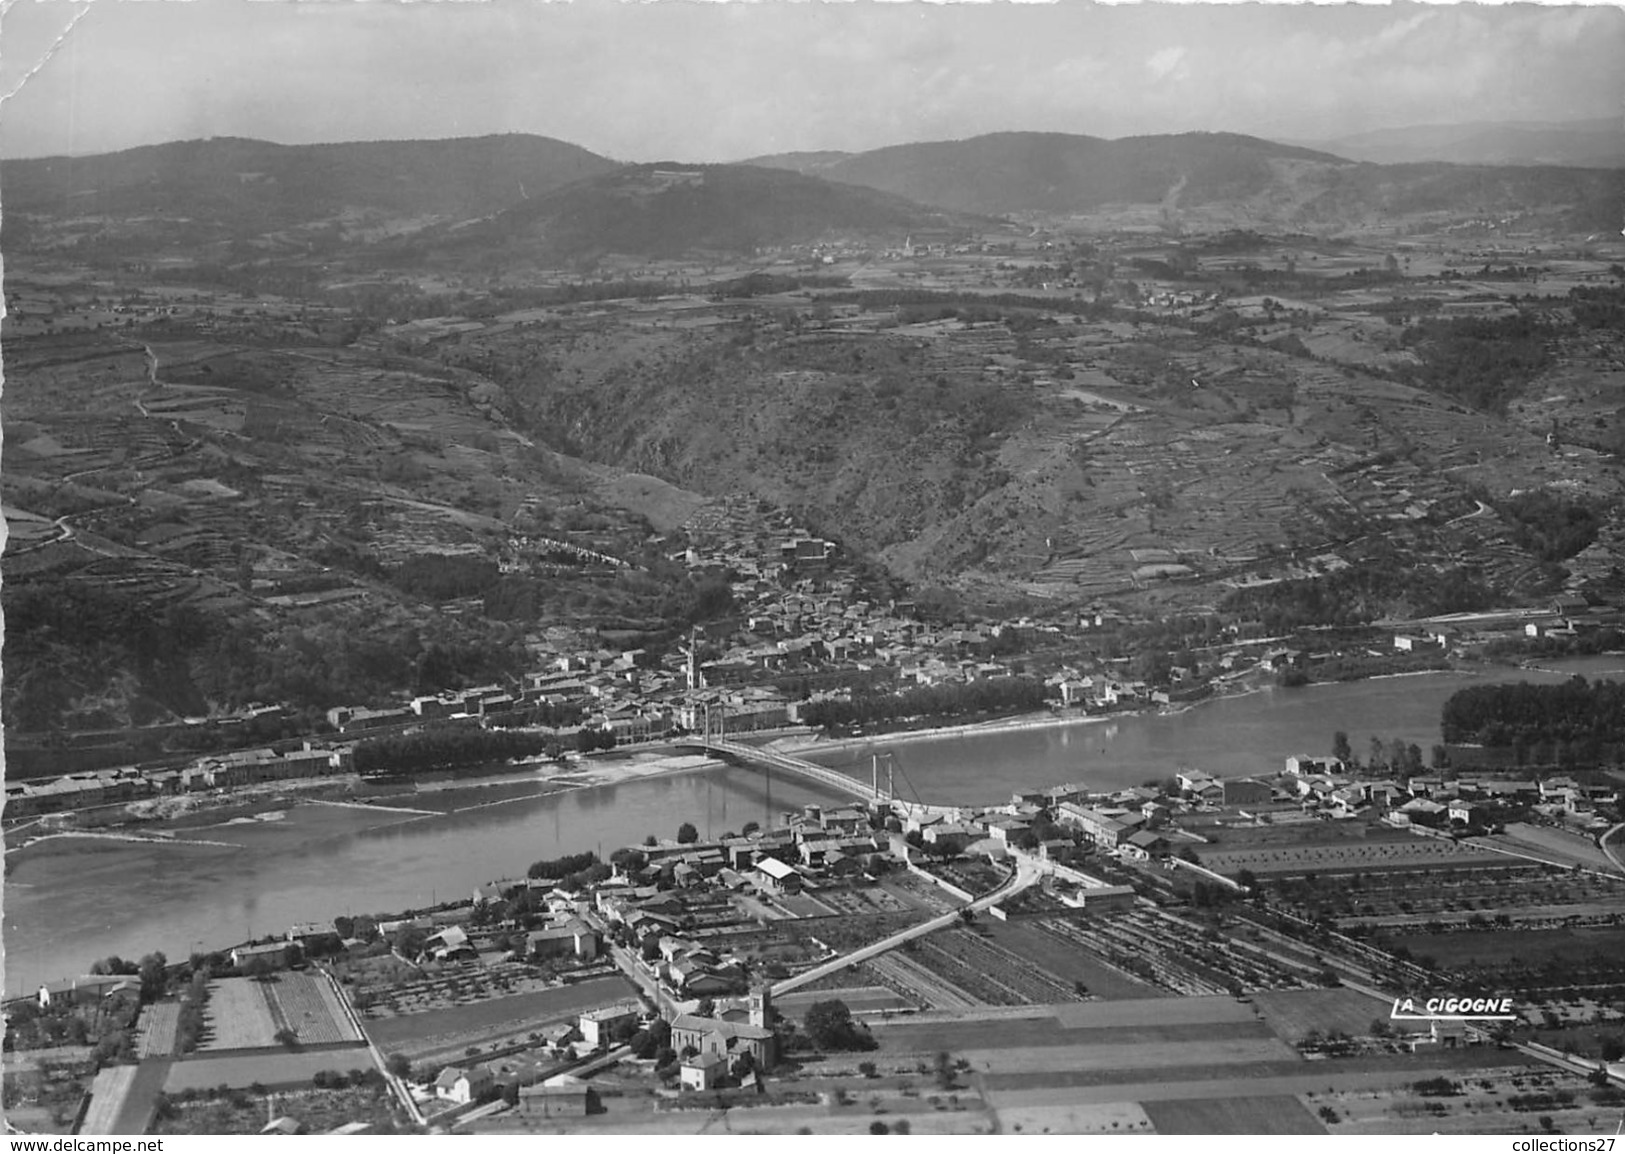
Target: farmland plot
[(991, 971), (238, 1016), (1278, 1114), (159, 1025), (308, 1007)]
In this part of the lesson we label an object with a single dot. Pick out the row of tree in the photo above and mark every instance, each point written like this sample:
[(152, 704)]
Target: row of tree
[(446, 746), (1501, 715), (992, 695)]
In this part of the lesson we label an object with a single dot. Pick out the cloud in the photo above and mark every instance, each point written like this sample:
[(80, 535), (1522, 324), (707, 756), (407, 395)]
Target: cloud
[(1167, 62), (679, 80)]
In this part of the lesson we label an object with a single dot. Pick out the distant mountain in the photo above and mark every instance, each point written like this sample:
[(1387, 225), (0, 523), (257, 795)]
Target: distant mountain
[(1055, 172), (1013, 172), (1576, 143), (810, 163), (666, 210), (252, 185)]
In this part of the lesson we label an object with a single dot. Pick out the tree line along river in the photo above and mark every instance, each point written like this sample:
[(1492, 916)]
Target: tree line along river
[(72, 900)]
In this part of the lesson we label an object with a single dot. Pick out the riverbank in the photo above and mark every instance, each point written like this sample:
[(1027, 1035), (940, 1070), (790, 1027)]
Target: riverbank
[(1018, 723), (73, 900), (158, 820), (1247, 685)]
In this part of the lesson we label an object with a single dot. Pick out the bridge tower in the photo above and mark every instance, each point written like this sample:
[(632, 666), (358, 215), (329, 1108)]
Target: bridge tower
[(874, 775)]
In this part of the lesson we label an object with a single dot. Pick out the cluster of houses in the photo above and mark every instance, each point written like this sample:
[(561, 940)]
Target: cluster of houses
[(216, 771), (1323, 787)]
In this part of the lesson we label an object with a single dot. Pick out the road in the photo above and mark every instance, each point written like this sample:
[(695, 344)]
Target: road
[(396, 1085), (1025, 875), (644, 981), (1610, 851)]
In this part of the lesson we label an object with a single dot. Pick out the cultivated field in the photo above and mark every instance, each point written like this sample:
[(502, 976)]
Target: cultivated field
[(1416, 853), (275, 1071), (1276, 1114), (159, 1023), (1512, 1100), (245, 1013), (306, 1004), (238, 1016), (1293, 1013), (497, 1013), (1089, 1057), (1517, 949), (859, 999)]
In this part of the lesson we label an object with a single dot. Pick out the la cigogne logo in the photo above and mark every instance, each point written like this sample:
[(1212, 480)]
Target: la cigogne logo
[(1450, 1008)]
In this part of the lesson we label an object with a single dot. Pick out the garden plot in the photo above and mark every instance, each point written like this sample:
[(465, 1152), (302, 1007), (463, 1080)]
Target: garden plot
[(902, 973), (238, 1016), (1059, 955), (497, 1013), (455, 986), (991, 972), (159, 1024), (307, 1006)]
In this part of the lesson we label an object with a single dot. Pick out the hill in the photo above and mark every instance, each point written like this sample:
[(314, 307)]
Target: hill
[(1056, 172), (667, 210), (250, 186), (1024, 172), (1577, 143)]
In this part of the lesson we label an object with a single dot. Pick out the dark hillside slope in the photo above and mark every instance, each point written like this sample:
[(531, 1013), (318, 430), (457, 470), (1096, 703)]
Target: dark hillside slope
[(1057, 172), (666, 211), (252, 184), (1586, 198), (1012, 172)]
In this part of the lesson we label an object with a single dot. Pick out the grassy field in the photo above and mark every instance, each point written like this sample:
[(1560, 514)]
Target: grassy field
[(860, 1000), (240, 1071), (1040, 1033), (1543, 841), (1293, 1013), (499, 1012), (1075, 1058), (238, 1016), (1076, 1118), (1277, 1114)]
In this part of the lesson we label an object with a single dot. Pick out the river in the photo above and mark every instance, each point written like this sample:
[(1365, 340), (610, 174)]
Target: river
[(71, 900)]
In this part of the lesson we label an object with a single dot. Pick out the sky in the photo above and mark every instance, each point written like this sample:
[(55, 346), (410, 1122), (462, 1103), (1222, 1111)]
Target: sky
[(708, 80)]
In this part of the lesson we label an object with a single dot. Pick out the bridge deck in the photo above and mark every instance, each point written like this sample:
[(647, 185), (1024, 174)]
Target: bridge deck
[(772, 759)]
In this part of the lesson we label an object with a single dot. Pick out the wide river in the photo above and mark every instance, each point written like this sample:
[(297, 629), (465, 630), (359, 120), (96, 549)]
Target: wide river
[(71, 900)]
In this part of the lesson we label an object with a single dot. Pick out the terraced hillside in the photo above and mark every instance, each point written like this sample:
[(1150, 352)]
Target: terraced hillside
[(1055, 456), (201, 524)]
